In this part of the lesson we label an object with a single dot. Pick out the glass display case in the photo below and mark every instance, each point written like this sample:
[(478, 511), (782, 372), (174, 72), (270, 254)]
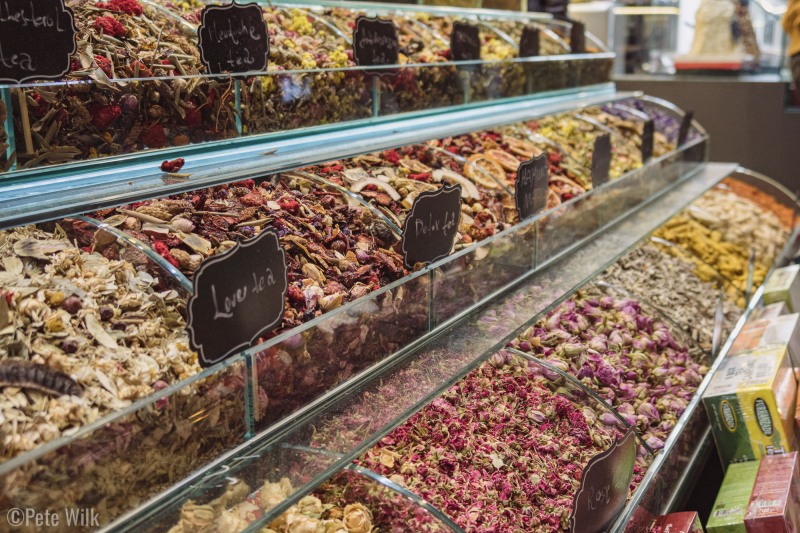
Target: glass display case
[(112, 104), (105, 404)]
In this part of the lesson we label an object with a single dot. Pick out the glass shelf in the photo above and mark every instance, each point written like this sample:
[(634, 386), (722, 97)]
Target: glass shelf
[(115, 105), (459, 343), (53, 193), (402, 315), (670, 476)]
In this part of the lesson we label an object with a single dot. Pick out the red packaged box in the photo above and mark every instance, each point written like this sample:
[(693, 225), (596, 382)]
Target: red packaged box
[(685, 522), (775, 501)]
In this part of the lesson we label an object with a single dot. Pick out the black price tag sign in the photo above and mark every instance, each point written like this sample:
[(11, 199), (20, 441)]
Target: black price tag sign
[(529, 42), (430, 229), (648, 138), (604, 487), (36, 40), (465, 43), (601, 160), (558, 8), (531, 187), (375, 42), (686, 125), (238, 296), (577, 37), (233, 38)]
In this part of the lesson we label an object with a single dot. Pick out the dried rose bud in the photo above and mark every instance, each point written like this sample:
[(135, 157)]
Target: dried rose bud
[(649, 411), (357, 518), (72, 305)]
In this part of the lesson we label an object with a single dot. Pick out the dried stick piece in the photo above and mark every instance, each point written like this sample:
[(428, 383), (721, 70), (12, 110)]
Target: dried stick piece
[(26, 121)]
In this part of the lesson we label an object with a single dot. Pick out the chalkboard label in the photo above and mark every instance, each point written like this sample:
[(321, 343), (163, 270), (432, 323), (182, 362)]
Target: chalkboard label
[(529, 42), (558, 8), (430, 229), (233, 38), (577, 37), (648, 135), (238, 296), (686, 124), (375, 42), (465, 43), (36, 40), (601, 160), (604, 487), (531, 186)]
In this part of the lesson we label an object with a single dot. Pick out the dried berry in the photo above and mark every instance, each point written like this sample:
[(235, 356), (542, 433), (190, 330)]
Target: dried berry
[(72, 305), (106, 313), (69, 346)]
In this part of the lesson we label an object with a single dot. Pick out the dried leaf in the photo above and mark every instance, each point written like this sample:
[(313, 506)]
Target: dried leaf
[(98, 331), (196, 243), (13, 265), (39, 249)]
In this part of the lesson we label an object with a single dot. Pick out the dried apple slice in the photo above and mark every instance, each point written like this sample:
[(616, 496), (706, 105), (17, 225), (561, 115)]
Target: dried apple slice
[(506, 160), (525, 149), (490, 167), (415, 166)]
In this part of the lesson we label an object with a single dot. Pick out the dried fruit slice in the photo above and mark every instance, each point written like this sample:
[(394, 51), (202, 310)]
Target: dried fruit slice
[(415, 166), (506, 160), (356, 187), (468, 189), (521, 148), (490, 167)]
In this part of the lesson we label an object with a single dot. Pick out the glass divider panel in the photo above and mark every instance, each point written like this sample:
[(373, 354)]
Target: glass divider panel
[(10, 161)]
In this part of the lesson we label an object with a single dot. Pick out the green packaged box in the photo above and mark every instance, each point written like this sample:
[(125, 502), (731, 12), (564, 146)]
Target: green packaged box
[(750, 403), (727, 516), (784, 286)]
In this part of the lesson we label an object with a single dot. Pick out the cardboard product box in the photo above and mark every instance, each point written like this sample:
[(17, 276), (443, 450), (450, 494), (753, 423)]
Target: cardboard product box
[(685, 522), (770, 311), (784, 286), (775, 501), (781, 330), (727, 515), (751, 405)]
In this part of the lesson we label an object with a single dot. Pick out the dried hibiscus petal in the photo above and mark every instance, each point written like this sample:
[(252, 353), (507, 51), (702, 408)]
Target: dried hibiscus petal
[(173, 166)]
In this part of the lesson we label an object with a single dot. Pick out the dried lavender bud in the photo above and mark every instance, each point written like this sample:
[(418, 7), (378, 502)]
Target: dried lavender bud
[(72, 305)]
